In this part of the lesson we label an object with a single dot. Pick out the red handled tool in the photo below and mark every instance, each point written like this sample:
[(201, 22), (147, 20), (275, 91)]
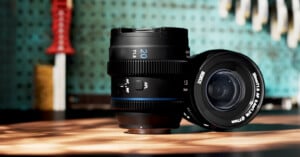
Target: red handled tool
[(61, 12)]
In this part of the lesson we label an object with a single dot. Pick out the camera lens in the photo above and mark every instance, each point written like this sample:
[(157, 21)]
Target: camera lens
[(226, 90), (147, 75)]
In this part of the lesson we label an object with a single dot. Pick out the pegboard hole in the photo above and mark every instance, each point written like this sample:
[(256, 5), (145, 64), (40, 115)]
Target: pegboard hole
[(19, 98), (19, 86), (81, 86), (123, 15), (70, 87), (29, 73), (113, 15), (102, 87), (144, 16), (113, 3), (19, 48), (133, 15), (102, 51), (92, 87), (123, 3), (144, 4), (30, 24), (30, 12), (154, 4), (29, 61), (81, 74), (19, 24), (28, 97), (133, 4), (102, 63), (102, 75), (29, 48), (19, 73), (91, 75), (41, 12)]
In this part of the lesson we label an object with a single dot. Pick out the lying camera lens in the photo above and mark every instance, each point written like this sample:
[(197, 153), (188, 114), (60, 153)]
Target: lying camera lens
[(226, 90), (147, 70)]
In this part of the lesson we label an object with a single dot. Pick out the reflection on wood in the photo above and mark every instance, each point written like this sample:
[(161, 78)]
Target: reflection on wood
[(90, 136)]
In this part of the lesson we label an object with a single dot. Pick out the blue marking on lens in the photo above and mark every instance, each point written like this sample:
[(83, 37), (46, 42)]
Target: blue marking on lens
[(143, 99)]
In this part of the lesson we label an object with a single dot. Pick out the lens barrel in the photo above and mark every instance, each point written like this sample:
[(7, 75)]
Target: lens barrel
[(147, 75), (226, 90)]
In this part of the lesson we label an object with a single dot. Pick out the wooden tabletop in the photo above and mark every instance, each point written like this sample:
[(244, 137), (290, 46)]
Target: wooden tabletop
[(102, 136)]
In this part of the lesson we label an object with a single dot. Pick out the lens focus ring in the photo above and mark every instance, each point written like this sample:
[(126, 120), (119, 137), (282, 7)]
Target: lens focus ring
[(147, 106), (146, 67)]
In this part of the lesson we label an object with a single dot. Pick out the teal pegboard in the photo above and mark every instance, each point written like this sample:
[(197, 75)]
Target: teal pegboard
[(33, 35), (7, 44), (94, 19), (91, 25)]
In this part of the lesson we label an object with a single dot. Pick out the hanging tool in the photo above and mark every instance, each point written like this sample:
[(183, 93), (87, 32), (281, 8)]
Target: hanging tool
[(61, 12)]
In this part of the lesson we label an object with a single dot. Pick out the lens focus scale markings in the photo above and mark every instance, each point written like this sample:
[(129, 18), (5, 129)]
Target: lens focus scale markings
[(146, 67)]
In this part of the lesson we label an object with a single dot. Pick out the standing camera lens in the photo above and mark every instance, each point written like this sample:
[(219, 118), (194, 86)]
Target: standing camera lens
[(147, 69), (226, 90)]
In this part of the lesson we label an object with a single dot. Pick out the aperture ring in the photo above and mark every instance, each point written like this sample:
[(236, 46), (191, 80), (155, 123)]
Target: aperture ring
[(148, 106), (146, 67)]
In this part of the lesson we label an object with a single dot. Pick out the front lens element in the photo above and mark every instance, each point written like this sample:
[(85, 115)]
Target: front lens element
[(224, 89)]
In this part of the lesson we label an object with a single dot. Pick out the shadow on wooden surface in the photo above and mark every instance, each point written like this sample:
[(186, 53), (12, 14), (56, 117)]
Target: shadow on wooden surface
[(94, 136)]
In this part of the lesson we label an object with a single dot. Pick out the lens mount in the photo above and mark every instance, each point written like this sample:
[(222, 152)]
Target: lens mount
[(226, 90)]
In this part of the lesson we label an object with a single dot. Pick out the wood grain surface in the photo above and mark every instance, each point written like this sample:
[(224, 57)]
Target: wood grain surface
[(102, 136)]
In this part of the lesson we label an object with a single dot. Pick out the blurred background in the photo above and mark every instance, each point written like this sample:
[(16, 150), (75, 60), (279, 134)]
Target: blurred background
[(268, 31)]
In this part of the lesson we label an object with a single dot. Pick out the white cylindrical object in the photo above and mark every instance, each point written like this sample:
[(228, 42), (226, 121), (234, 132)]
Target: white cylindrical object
[(297, 24), (224, 7), (59, 82), (263, 11), (256, 22), (298, 97), (245, 8), (282, 16), (296, 12), (275, 34), (239, 15), (260, 14), (294, 31), (286, 104), (296, 5)]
